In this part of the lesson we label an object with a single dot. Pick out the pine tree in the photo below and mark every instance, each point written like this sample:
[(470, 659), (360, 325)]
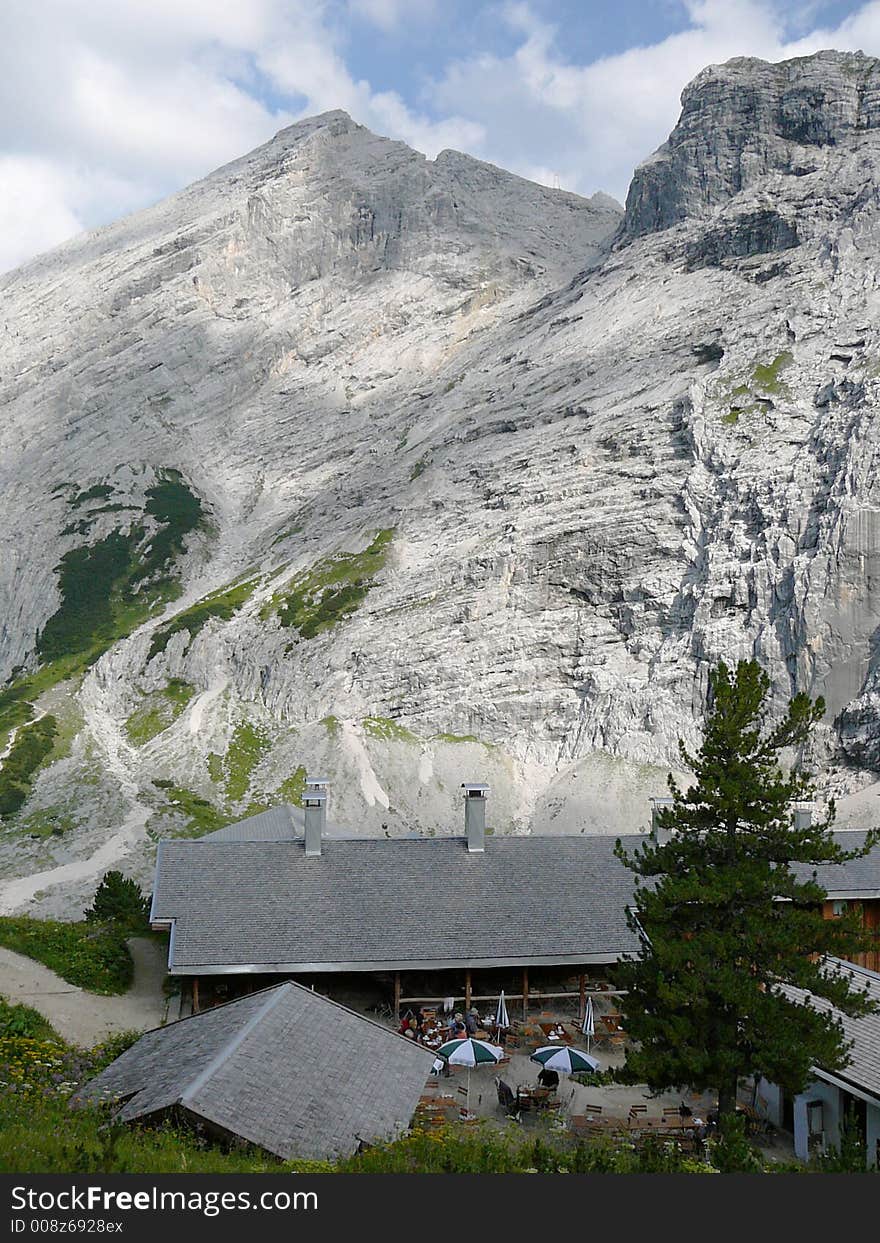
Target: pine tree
[(730, 912), (119, 900)]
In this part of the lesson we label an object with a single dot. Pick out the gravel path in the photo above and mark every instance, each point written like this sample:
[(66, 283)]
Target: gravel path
[(86, 1018)]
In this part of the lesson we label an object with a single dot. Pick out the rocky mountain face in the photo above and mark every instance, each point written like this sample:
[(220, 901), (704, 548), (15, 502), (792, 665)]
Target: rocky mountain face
[(414, 472)]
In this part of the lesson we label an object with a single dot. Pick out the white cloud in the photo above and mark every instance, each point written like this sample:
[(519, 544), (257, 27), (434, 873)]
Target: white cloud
[(34, 208), (106, 106), (591, 124), (389, 15), (146, 96)]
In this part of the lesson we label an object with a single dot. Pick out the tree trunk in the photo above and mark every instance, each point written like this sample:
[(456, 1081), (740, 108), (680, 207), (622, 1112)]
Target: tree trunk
[(726, 1101)]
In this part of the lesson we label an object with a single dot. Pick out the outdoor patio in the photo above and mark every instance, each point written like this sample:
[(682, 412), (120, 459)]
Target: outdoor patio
[(584, 1110)]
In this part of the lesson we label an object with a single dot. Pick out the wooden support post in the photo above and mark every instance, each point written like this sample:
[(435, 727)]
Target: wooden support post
[(525, 993), (397, 996), (582, 1005), (195, 994), (467, 989)]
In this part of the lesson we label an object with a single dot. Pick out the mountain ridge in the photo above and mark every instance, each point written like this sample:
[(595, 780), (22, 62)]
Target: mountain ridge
[(415, 472)]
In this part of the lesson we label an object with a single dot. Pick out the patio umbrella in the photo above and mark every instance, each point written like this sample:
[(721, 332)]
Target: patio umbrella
[(470, 1053), (568, 1061), (589, 1027), (501, 1017)]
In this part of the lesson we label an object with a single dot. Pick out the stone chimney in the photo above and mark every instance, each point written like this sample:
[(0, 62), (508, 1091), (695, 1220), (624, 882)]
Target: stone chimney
[(660, 835), (475, 794), (314, 801), (802, 815)]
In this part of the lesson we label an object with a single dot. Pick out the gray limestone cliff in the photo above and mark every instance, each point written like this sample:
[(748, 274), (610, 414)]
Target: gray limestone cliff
[(415, 472)]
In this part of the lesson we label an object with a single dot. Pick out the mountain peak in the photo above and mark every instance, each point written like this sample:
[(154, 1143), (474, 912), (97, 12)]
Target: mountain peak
[(748, 118)]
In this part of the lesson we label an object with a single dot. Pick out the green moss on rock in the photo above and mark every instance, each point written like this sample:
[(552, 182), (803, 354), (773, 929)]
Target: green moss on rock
[(31, 746), (387, 730), (766, 376), (222, 604), (247, 747), (332, 590), (158, 711), (293, 787), (109, 587)]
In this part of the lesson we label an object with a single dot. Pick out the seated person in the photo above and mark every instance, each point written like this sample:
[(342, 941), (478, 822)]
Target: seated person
[(548, 1078)]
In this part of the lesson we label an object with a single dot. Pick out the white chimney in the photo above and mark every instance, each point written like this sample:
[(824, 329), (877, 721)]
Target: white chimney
[(314, 801), (802, 815), (660, 835), (475, 794)]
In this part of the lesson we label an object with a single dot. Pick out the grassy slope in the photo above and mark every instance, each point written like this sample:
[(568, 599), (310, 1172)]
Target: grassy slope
[(87, 955)]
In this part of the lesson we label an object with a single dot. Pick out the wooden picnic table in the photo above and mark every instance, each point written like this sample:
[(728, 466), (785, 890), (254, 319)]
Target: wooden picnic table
[(557, 1037), (670, 1124), (534, 1098)]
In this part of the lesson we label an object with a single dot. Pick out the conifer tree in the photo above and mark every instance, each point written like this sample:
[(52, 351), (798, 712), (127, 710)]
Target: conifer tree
[(118, 900), (730, 912)]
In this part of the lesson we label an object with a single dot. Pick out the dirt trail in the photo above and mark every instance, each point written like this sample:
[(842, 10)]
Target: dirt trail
[(85, 1018)]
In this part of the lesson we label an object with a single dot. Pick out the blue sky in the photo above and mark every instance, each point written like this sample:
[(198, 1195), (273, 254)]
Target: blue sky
[(108, 105)]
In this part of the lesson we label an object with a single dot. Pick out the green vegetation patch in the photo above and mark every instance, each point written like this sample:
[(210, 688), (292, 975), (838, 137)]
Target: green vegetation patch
[(32, 744), (41, 1134), (89, 956), (158, 711), (15, 708), (178, 511), (766, 376), (387, 730), (454, 738), (48, 822), (100, 492), (332, 590), (247, 747), (23, 1021), (731, 418), (109, 587), (201, 815), (293, 787), (222, 604), (331, 724)]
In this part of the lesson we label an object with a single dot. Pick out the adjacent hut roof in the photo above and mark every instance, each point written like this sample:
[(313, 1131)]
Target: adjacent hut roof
[(285, 1068), (391, 904), (862, 1072), (859, 878)]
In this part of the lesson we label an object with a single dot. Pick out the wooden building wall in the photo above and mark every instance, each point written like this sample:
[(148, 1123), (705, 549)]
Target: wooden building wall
[(870, 909)]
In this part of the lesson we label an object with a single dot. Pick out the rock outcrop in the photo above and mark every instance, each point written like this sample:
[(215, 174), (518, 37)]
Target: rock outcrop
[(416, 472)]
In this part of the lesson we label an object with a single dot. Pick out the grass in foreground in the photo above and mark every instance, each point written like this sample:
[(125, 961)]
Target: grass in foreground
[(41, 1134), (91, 956)]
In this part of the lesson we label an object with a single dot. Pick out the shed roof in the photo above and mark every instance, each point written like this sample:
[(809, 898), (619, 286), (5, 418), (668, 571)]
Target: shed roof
[(285, 1068)]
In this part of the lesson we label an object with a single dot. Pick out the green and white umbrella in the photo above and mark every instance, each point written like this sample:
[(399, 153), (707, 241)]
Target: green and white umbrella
[(470, 1053), (564, 1059)]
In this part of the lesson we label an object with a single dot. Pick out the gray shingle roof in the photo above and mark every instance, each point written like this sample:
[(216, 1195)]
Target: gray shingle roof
[(286, 1068), (366, 904), (277, 824), (863, 1069), (859, 876), (283, 823)]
